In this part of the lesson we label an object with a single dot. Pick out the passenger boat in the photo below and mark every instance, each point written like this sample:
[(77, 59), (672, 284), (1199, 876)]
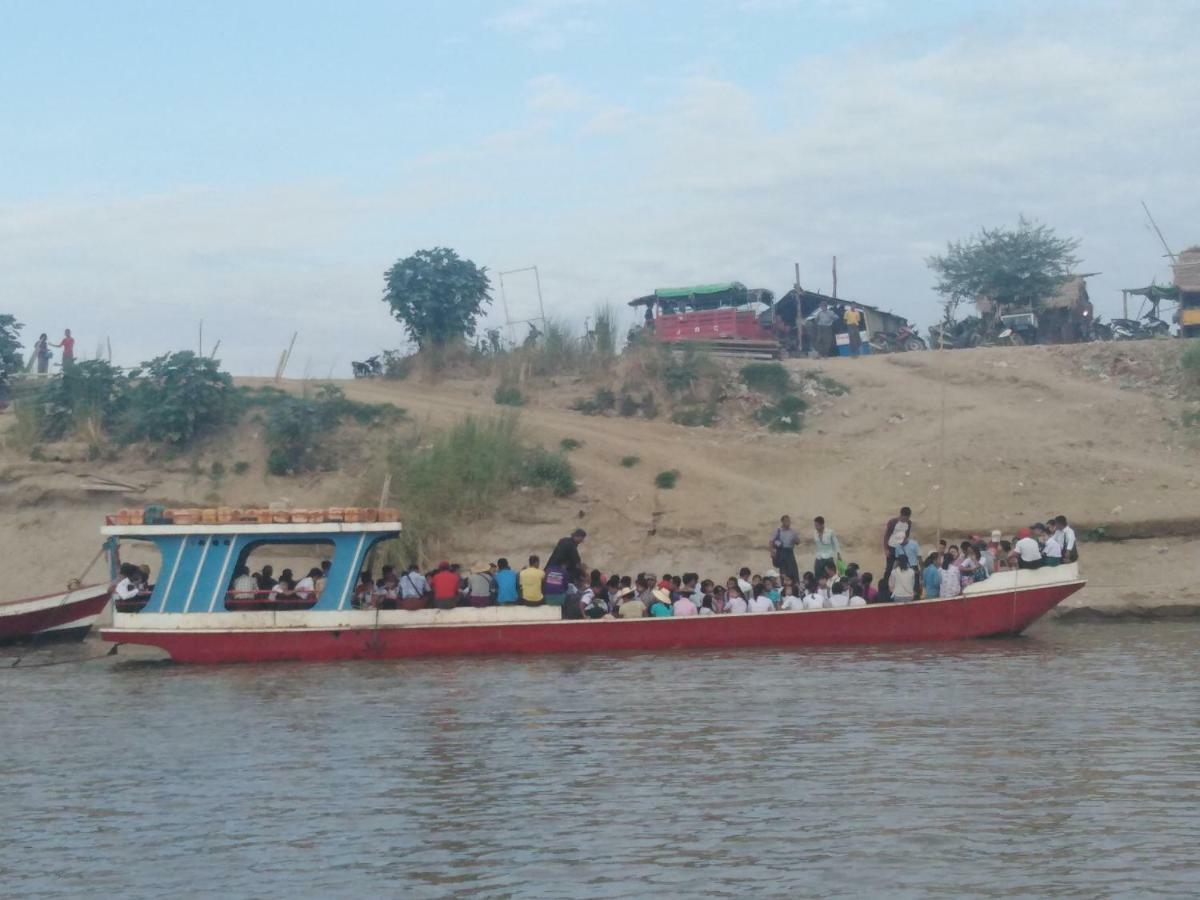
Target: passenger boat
[(195, 617), (67, 615)]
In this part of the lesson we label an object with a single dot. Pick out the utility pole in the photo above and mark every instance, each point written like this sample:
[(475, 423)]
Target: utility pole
[(1159, 233), (835, 278)]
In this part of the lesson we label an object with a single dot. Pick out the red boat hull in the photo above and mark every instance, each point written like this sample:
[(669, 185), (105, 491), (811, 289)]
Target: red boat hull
[(978, 616), (55, 616)]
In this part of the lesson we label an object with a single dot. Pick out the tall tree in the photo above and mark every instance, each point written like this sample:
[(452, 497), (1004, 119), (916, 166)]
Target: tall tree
[(10, 344), (437, 295), (1021, 266)]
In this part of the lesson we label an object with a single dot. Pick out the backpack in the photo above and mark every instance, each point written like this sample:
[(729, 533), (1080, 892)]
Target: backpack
[(555, 582)]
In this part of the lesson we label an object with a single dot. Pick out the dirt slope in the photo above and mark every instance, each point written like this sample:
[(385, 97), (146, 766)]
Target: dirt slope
[(1087, 431)]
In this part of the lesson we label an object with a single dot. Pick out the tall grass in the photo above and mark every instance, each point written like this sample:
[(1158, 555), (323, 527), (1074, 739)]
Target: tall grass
[(605, 329), (1189, 364), (462, 474)]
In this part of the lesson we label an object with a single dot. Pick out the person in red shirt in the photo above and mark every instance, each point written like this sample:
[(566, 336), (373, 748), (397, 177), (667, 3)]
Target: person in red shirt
[(68, 348), (445, 585)]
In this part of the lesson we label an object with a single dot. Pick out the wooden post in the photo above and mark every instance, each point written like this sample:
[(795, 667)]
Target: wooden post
[(285, 358), (799, 318), (835, 278), (1125, 304)]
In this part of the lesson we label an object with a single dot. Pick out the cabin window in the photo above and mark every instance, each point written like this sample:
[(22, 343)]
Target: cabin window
[(142, 556), (274, 575)]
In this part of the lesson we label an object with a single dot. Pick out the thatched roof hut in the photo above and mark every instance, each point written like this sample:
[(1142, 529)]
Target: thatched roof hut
[(1187, 270), (1072, 294)]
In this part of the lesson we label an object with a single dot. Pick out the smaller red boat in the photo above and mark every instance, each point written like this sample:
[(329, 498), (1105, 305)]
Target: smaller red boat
[(68, 615)]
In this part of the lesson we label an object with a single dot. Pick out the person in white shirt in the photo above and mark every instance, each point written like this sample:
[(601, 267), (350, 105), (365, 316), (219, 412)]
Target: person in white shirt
[(244, 584), (743, 583), (858, 601), (760, 602), (413, 585), (1052, 549), (306, 587), (127, 587), (814, 600), (792, 603), (735, 603), (839, 597), (1027, 552), (903, 581), (1070, 550)]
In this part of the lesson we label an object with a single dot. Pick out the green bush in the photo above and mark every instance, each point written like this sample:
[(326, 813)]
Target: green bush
[(550, 470), (11, 361), (682, 372), (666, 480), (178, 397), (569, 444), (786, 415), (1189, 363), (300, 431), (602, 401), (90, 396), (628, 406), (630, 461), (649, 406), (508, 394), (696, 416), (463, 474), (766, 378), (605, 331), (828, 385)]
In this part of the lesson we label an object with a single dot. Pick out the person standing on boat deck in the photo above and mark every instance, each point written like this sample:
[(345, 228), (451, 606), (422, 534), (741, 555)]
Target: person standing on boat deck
[(902, 581), (950, 584), (783, 547), (1070, 552), (931, 578), (826, 547), (1052, 548), (564, 567), (530, 583), (445, 585), (895, 533)]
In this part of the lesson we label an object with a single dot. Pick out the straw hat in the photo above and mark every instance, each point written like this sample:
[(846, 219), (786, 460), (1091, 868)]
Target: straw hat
[(481, 568), (662, 596), (624, 592)]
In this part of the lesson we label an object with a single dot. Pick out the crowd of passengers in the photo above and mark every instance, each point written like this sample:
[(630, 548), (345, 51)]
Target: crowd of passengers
[(564, 581)]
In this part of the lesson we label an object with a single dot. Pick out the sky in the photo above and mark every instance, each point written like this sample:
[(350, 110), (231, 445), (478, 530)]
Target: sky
[(257, 166)]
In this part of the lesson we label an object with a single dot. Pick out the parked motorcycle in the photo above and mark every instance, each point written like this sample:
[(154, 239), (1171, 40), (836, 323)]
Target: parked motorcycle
[(1149, 326), (904, 338), (371, 367), (967, 332)]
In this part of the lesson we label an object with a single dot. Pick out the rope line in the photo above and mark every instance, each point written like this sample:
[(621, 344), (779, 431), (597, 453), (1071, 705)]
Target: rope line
[(62, 662)]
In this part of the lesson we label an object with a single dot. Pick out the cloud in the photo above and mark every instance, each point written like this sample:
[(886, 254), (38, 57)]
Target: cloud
[(548, 25), (552, 94)]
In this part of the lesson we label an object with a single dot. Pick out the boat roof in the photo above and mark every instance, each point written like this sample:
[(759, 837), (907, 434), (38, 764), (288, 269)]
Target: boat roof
[(291, 528)]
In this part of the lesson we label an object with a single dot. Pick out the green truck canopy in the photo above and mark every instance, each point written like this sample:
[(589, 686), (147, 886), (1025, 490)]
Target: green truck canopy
[(699, 290)]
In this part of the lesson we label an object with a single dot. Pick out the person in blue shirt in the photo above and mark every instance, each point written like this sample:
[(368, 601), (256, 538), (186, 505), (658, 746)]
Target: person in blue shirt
[(661, 607), (506, 583), (912, 550), (931, 578)]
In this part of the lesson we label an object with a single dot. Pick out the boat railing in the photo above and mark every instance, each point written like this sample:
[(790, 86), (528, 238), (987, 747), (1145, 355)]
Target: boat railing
[(259, 601)]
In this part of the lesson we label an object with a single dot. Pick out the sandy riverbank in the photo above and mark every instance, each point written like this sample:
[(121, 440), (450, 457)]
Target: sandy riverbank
[(1088, 431)]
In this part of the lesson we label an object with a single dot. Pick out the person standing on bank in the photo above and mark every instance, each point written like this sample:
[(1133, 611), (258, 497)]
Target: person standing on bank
[(42, 354), (826, 547), (895, 533), (783, 548), (68, 349)]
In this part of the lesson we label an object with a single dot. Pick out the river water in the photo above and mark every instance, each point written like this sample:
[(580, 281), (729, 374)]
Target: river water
[(1064, 763)]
